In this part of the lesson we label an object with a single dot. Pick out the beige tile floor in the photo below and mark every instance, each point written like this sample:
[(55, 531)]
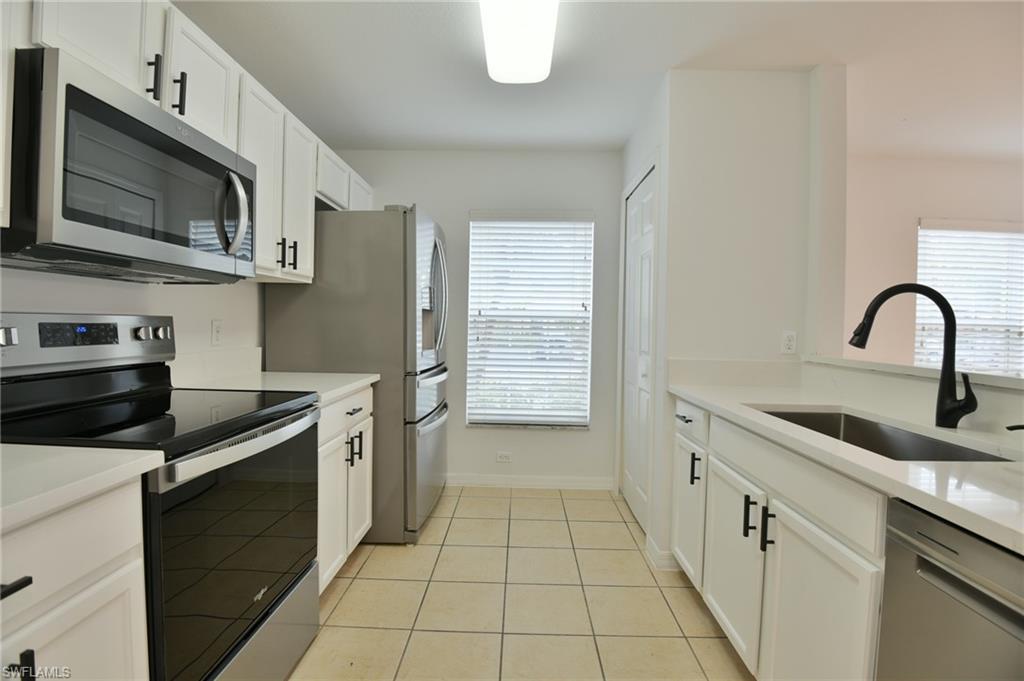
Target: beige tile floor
[(517, 584)]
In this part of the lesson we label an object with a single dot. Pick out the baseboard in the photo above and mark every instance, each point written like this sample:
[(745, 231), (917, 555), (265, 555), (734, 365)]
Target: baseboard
[(661, 560), (536, 481)]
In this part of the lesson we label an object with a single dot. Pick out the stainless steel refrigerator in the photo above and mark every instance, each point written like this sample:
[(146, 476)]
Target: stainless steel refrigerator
[(378, 303)]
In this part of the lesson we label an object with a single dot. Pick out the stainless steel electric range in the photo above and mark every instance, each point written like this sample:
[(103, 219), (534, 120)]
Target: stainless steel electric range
[(230, 519)]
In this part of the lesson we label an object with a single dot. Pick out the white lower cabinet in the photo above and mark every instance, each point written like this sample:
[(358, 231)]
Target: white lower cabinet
[(821, 604), (100, 633), (794, 583), (360, 482), (332, 509), (733, 560), (345, 481), (83, 608), (689, 480)]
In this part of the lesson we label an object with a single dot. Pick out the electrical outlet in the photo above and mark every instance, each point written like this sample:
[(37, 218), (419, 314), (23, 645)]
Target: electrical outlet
[(504, 457), (789, 342), (216, 331)]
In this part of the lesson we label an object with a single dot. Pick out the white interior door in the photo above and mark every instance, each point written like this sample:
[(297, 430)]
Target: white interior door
[(637, 402)]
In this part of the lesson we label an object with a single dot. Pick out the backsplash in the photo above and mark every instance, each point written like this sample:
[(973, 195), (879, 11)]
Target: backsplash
[(194, 307)]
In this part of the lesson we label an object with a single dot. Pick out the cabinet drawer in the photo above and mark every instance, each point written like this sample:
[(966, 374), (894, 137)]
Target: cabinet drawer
[(855, 512), (692, 421), (69, 549), (340, 416)]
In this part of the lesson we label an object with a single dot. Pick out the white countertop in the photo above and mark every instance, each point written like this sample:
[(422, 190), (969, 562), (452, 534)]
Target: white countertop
[(986, 498), (330, 387), (38, 480)]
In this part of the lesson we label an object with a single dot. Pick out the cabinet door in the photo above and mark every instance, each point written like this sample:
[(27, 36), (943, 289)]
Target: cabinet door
[(211, 81), (261, 140), (689, 476), (299, 200), (360, 194), (100, 633), (332, 508), (821, 604), (333, 177), (734, 563), (360, 483), (112, 37)]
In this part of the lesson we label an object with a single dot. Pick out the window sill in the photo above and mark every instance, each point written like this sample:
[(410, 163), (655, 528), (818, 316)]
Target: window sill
[(524, 426)]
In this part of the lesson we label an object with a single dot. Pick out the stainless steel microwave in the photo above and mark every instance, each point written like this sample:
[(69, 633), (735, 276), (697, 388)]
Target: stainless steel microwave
[(106, 184)]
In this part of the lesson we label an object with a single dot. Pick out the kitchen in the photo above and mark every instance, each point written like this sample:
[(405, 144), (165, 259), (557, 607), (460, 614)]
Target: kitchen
[(543, 371)]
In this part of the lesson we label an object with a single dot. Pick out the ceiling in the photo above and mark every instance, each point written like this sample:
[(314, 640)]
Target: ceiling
[(923, 78)]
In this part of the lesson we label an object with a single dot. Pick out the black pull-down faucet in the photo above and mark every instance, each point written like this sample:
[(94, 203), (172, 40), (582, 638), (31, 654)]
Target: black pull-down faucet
[(949, 409)]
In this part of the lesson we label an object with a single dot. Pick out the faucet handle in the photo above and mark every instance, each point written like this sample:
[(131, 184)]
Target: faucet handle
[(969, 403)]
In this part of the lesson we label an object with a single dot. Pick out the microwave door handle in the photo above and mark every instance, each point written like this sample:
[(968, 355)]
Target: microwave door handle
[(201, 463), (243, 214)]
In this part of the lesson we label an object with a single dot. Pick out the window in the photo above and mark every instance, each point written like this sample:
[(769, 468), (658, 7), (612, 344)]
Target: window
[(981, 272), (528, 350)]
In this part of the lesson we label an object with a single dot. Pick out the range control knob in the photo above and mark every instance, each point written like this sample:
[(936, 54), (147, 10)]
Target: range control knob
[(162, 332), (142, 333)]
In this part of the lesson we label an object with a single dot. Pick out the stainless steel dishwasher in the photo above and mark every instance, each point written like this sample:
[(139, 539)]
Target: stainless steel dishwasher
[(952, 605)]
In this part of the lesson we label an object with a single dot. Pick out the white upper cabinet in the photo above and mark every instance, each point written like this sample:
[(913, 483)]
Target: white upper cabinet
[(261, 140), (733, 560), (821, 603), (332, 178), (201, 81), (123, 40), (689, 482), (299, 198), (360, 194)]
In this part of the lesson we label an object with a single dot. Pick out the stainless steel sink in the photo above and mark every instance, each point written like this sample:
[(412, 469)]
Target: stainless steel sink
[(889, 441)]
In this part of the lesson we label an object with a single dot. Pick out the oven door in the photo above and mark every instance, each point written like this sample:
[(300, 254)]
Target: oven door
[(230, 531), (116, 175)]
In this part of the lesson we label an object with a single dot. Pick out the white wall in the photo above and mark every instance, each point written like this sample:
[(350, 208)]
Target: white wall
[(193, 309), (450, 184), (885, 198), (738, 201)]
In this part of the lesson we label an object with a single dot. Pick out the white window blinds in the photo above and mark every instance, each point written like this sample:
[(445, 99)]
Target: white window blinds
[(981, 272), (528, 349)]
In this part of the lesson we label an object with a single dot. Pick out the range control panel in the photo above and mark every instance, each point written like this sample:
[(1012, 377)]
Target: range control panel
[(45, 342), (66, 334)]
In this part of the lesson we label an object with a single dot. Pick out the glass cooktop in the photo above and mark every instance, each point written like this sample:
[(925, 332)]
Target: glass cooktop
[(176, 420)]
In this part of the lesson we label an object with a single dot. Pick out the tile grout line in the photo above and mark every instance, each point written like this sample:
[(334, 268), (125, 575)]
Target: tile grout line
[(583, 590), (423, 598), (504, 592)]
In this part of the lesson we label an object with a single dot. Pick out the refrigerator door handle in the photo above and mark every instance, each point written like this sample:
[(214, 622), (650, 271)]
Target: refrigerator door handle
[(443, 330), (432, 379), (434, 424)]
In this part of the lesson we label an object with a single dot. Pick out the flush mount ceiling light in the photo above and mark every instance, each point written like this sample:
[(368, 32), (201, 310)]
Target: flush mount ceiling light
[(519, 38)]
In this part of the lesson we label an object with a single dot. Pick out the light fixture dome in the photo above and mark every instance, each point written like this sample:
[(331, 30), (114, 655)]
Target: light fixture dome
[(519, 39)]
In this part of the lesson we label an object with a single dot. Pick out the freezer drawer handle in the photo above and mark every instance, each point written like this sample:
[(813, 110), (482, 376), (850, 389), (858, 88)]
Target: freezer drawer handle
[(434, 379), (246, 445), (433, 425)]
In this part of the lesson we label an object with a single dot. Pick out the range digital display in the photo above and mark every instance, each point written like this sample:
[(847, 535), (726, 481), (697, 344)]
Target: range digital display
[(70, 334)]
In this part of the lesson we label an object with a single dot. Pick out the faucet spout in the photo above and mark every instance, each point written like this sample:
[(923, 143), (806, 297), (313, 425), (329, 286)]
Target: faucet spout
[(949, 409)]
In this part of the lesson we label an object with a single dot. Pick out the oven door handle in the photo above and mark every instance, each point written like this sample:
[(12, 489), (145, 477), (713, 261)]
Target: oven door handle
[(248, 444)]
